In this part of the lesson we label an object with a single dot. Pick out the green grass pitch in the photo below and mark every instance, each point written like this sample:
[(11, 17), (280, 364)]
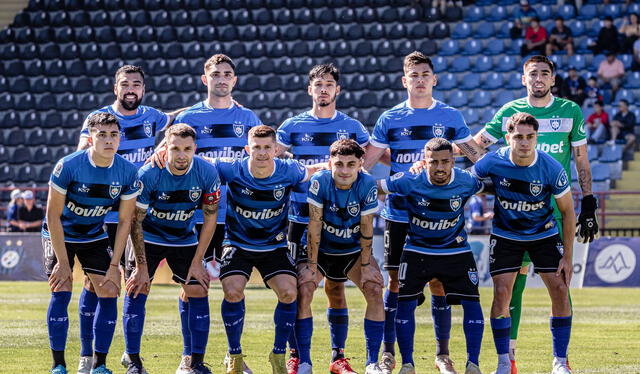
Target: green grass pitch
[(605, 336)]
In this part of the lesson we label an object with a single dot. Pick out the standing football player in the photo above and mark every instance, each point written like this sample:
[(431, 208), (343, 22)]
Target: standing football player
[(84, 187)]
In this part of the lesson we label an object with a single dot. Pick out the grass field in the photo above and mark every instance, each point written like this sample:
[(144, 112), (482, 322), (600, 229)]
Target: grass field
[(605, 338)]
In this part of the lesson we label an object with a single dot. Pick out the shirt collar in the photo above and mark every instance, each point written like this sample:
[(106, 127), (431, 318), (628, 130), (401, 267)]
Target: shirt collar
[(546, 106)]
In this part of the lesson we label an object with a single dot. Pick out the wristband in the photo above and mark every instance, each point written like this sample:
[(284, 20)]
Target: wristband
[(366, 237), (113, 265), (367, 264)]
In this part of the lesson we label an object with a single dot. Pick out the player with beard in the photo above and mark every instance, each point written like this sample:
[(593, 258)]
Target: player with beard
[(139, 125), (308, 137), (404, 130), (561, 131)]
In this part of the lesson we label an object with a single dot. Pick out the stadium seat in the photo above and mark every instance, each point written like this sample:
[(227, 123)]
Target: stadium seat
[(4, 154), (460, 31), (9, 52), (25, 174), (201, 17), (7, 174), (340, 49), (447, 81), (633, 80), (494, 47), (269, 33), (470, 81), (166, 34), (596, 62), (471, 116), (374, 31), (504, 97), (449, 48), (323, 16), (624, 94), (504, 30), (497, 13), (302, 16), (440, 31), (314, 32), (599, 172), (121, 18), (439, 63), (612, 10), (409, 14), (31, 119), (506, 64), (36, 137), (27, 52), (493, 81), (453, 14), (545, 13), (593, 152), (24, 101), (577, 61), (626, 60), (396, 31), (19, 84), (58, 18), (633, 8), (44, 35), (45, 102), (428, 47), (105, 34), (480, 99), (460, 64), (17, 136), (433, 14), (333, 32), (485, 30), (365, 48), (471, 47), (557, 60), (186, 34), (180, 18), (21, 155), (473, 14)]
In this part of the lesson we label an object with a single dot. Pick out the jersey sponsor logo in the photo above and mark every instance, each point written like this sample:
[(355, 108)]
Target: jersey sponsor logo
[(206, 130), (372, 195), (84, 188), (178, 215), (438, 130), (307, 138), (551, 148), (535, 188), (455, 203), (311, 161), (563, 180), (505, 182), (473, 276), (342, 134), (353, 209), (58, 169), (423, 202), (97, 211), (238, 129), (278, 193), (443, 224), (147, 129), (260, 214), (334, 208), (409, 158), (225, 152), (247, 191), (115, 190), (344, 233), (406, 132), (140, 155), (195, 193), (315, 187), (164, 196), (521, 206)]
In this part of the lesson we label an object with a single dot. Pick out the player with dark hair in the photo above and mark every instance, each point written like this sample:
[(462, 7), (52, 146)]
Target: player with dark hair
[(526, 180), (308, 137), (164, 228), (405, 129), (437, 247), (84, 187), (561, 131), (342, 203), (258, 197)]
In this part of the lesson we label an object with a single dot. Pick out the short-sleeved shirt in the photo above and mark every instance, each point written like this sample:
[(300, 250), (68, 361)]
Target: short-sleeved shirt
[(342, 210), (12, 214), (90, 193), (405, 131), (171, 201), (603, 117), (609, 70), (564, 34), (476, 209), (536, 36), (219, 133), (523, 209), (35, 214), (436, 213), (308, 138), (257, 207), (628, 121)]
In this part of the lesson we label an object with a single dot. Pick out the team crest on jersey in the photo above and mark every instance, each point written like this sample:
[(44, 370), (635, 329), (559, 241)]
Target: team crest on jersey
[(195, 193), (456, 203), (438, 130), (114, 190), (342, 134), (147, 129), (535, 188), (315, 187), (555, 123), (372, 195), (238, 129), (473, 276), (58, 169), (353, 209), (278, 193)]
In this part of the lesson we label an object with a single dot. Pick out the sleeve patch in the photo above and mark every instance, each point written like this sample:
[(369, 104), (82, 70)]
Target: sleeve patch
[(372, 196), (58, 169), (211, 198), (315, 187)]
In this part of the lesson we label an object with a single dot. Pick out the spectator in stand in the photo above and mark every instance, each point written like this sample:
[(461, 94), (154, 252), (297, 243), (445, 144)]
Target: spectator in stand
[(592, 94), (30, 215), (611, 72), (478, 222), (535, 39), (607, 38), (574, 86), (630, 31), (557, 89), (561, 38), (623, 126), (12, 210), (635, 64), (523, 17), (597, 124)]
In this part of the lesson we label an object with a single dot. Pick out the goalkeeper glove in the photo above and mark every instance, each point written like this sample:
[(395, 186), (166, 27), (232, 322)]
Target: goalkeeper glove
[(587, 226)]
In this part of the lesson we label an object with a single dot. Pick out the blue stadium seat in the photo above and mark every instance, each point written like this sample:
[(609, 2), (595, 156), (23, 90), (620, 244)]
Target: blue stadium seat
[(17, 136), (8, 119), (493, 81), (473, 14), (626, 59), (633, 80), (314, 32), (281, 16), (396, 31), (340, 49), (110, 51), (248, 33), (514, 47), (39, 84), (88, 102), (227, 33), (221, 17), (494, 47), (302, 16), (365, 48), (471, 116), (48, 51), (504, 97), (186, 34), (433, 14), (388, 15), (366, 99), (179, 67), (418, 31), (19, 84), (166, 34), (45, 102), (470, 81), (504, 30), (21, 155), (201, 17), (379, 82), (269, 33), (566, 11), (9, 52), (277, 49), (323, 15), (27, 52), (43, 35), (449, 48), (365, 15), (599, 172), (121, 19), (59, 18), (544, 13), (180, 18), (206, 33), (374, 31), (447, 81), (557, 60), (237, 49), (299, 49), (25, 174), (506, 64), (593, 152), (461, 31), (612, 10), (402, 48), (480, 99), (409, 14), (38, 136), (60, 83), (453, 14), (32, 119), (63, 34), (497, 13), (440, 31), (333, 32), (24, 101), (291, 33), (485, 30), (625, 94), (440, 63), (460, 64), (587, 12), (633, 8), (13, 68), (596, 62), (578, 28), (483, 64), (593, 27), (577, 61), (34, 67), (105, 34)]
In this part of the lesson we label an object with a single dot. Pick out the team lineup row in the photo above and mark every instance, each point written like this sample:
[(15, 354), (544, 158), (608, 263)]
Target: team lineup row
[(255, 193)]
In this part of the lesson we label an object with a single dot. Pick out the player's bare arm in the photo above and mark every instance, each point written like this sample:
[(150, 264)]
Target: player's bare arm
[(385, 159), (172, 115), (139, 279), (471, 149), (372, 155), (482, 140), (61, 276), (125, 216), (197, 270), (584, 168), (309, 271), (368, 273), (565, 206)]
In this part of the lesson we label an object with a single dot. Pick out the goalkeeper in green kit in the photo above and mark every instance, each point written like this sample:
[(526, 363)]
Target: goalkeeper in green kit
[(561, 131)]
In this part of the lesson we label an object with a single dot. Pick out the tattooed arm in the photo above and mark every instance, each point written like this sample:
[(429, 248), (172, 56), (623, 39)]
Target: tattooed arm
[(139, 281), (584, 168), (483, 140), (310, 270), (471, 149)]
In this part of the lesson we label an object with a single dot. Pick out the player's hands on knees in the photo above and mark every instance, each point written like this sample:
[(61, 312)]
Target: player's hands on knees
[(370, 274), (113, 276), (417, 167), (138, 282), (199, 273), (308, 274), (60, 275), (565, 270), (158, 158)]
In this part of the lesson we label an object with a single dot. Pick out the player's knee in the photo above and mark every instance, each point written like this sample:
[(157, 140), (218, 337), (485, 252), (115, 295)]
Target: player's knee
[(305, 292), (501, 293), (233, 295), (372, 292), (108, 290), (436, 287), (193, 291), (334, 291), (88, 285), (287, 295)]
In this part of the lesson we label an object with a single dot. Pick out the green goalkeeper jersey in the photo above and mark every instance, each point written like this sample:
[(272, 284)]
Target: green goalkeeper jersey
[(561, 126)]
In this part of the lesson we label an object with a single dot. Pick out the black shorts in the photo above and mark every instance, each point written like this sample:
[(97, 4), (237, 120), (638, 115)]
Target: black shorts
[(505, 255), (294, 237), (178, 258), (94, 257), (269, 263), (336, 267), (215, 245), (458, 274), (111, 229), (395, 236)]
